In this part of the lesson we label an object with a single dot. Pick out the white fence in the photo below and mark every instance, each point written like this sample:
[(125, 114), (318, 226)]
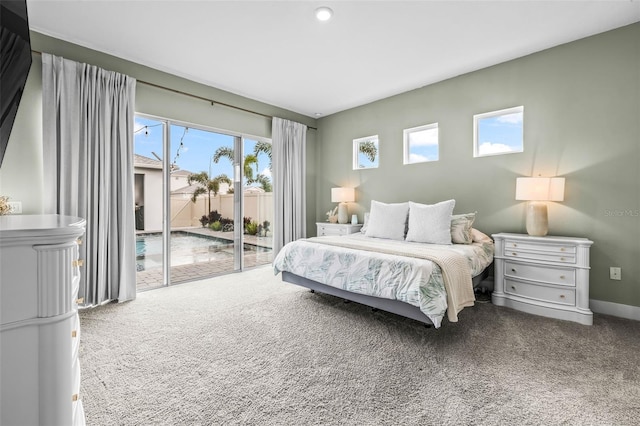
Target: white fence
[(184, 213)]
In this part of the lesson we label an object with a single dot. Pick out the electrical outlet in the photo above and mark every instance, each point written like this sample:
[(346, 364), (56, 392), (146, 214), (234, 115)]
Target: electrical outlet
[(16, 207), (615, 273)]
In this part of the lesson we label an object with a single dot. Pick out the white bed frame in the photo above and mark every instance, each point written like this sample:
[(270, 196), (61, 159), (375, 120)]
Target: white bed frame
[(394, 306)]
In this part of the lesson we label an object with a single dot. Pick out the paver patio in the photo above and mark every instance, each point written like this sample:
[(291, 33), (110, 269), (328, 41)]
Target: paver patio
[(152, 278)]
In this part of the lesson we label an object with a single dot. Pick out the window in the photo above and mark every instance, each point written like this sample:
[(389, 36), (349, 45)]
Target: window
[(498, 132), (421, 144), (365, 153)]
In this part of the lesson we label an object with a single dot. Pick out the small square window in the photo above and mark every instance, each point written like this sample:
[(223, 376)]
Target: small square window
[(498, 132), (421, 144), (365, 153)]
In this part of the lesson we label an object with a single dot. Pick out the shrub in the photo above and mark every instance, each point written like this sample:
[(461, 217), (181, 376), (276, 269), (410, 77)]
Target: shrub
[(251, 228), (215, 226), (214, 216), (204, 220)]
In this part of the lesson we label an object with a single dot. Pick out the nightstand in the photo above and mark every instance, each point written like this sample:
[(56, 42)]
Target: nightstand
[(546, 276), (326, 228)]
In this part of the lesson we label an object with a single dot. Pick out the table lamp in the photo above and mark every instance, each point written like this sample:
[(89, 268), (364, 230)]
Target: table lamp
[(538, 190), (343, 196)]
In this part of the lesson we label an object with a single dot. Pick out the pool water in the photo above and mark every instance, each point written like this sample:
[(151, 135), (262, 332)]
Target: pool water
[(186, 248)]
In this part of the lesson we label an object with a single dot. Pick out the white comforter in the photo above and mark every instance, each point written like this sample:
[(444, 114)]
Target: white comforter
[(398, 270)]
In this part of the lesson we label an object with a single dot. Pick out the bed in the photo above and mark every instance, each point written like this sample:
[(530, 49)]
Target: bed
[(424, 282)]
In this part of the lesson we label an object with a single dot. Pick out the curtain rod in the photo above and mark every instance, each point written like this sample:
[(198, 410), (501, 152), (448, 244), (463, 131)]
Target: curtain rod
[(211, 101)]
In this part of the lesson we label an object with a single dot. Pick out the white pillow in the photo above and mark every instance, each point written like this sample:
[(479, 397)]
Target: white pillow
[(430, 223), (387, 220)]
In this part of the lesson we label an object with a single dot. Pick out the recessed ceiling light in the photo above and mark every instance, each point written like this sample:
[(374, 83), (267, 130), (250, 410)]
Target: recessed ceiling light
[(324, 13), (318, 114)]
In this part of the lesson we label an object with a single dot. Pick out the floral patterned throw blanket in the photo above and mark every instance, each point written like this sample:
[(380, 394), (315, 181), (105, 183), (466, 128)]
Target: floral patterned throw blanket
[(435, 278)]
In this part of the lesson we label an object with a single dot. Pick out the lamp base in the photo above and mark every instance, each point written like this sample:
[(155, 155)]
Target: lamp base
[(537, 219), (343, 213)]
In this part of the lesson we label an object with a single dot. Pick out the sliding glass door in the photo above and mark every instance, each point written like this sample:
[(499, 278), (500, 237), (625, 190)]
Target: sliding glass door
[(204, 203), (149, 170), (257, 201)]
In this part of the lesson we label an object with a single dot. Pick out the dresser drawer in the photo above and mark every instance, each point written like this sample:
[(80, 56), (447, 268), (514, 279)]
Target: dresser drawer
[(327, 230), (560, 296), (546, 247), (75, 337), (551, 254), (541, 273)]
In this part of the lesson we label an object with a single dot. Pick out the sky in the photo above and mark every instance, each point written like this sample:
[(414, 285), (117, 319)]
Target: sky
[(500, 134), (423, 145), (191, 150)]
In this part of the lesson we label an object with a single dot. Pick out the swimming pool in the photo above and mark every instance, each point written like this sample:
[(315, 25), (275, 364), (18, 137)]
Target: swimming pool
[(186, 248)]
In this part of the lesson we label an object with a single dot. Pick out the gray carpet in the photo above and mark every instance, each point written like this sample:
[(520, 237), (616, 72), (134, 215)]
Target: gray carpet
[(249, 349)]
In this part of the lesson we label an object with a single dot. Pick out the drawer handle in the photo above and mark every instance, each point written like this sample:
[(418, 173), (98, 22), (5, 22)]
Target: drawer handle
[(562, 296), (562, 259), (74, 334), (75, 397), (562, 277), (513, 270), (515, 245), (78, 263), (514, 253), (513, 287)]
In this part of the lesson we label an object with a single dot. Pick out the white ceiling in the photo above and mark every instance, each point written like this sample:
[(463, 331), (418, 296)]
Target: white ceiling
[(278, 53)]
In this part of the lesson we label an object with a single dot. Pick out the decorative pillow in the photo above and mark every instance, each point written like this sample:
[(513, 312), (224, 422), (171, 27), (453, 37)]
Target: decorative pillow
[(461, 225), (365, 223), (480, 237), (430, 223), (387, 220)]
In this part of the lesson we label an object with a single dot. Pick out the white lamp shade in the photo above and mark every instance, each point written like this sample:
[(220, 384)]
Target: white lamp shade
[(343, 195), (540, 189)]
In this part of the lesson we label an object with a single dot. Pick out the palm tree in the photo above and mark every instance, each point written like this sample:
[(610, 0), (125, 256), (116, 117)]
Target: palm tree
[(264, 148), (248, 171), (249, 160), (369, 149), (207, 185), (223, 151)]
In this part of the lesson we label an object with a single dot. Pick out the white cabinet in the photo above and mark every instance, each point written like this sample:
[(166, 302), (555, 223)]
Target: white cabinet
[(546, 276), (40, 329), (326, 228)]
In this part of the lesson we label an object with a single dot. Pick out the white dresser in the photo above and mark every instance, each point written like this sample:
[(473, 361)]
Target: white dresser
[(40, 330), (546, 276), (326, 228)]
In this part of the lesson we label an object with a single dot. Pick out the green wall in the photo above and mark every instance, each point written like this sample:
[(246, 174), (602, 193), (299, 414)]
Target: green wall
[(582, 109), (21, 171)]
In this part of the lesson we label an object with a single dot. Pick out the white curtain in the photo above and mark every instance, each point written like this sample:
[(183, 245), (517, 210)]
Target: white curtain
[(288, 140), (88, 169)]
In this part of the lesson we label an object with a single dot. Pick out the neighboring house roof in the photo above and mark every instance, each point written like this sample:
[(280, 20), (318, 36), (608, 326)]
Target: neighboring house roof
[(185, 173), (146, 162)]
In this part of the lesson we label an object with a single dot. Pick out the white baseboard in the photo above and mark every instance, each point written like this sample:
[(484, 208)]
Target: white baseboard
[(615, 309)]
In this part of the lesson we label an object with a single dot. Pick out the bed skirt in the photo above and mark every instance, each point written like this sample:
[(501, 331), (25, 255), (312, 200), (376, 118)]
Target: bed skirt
[(389, 305)]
